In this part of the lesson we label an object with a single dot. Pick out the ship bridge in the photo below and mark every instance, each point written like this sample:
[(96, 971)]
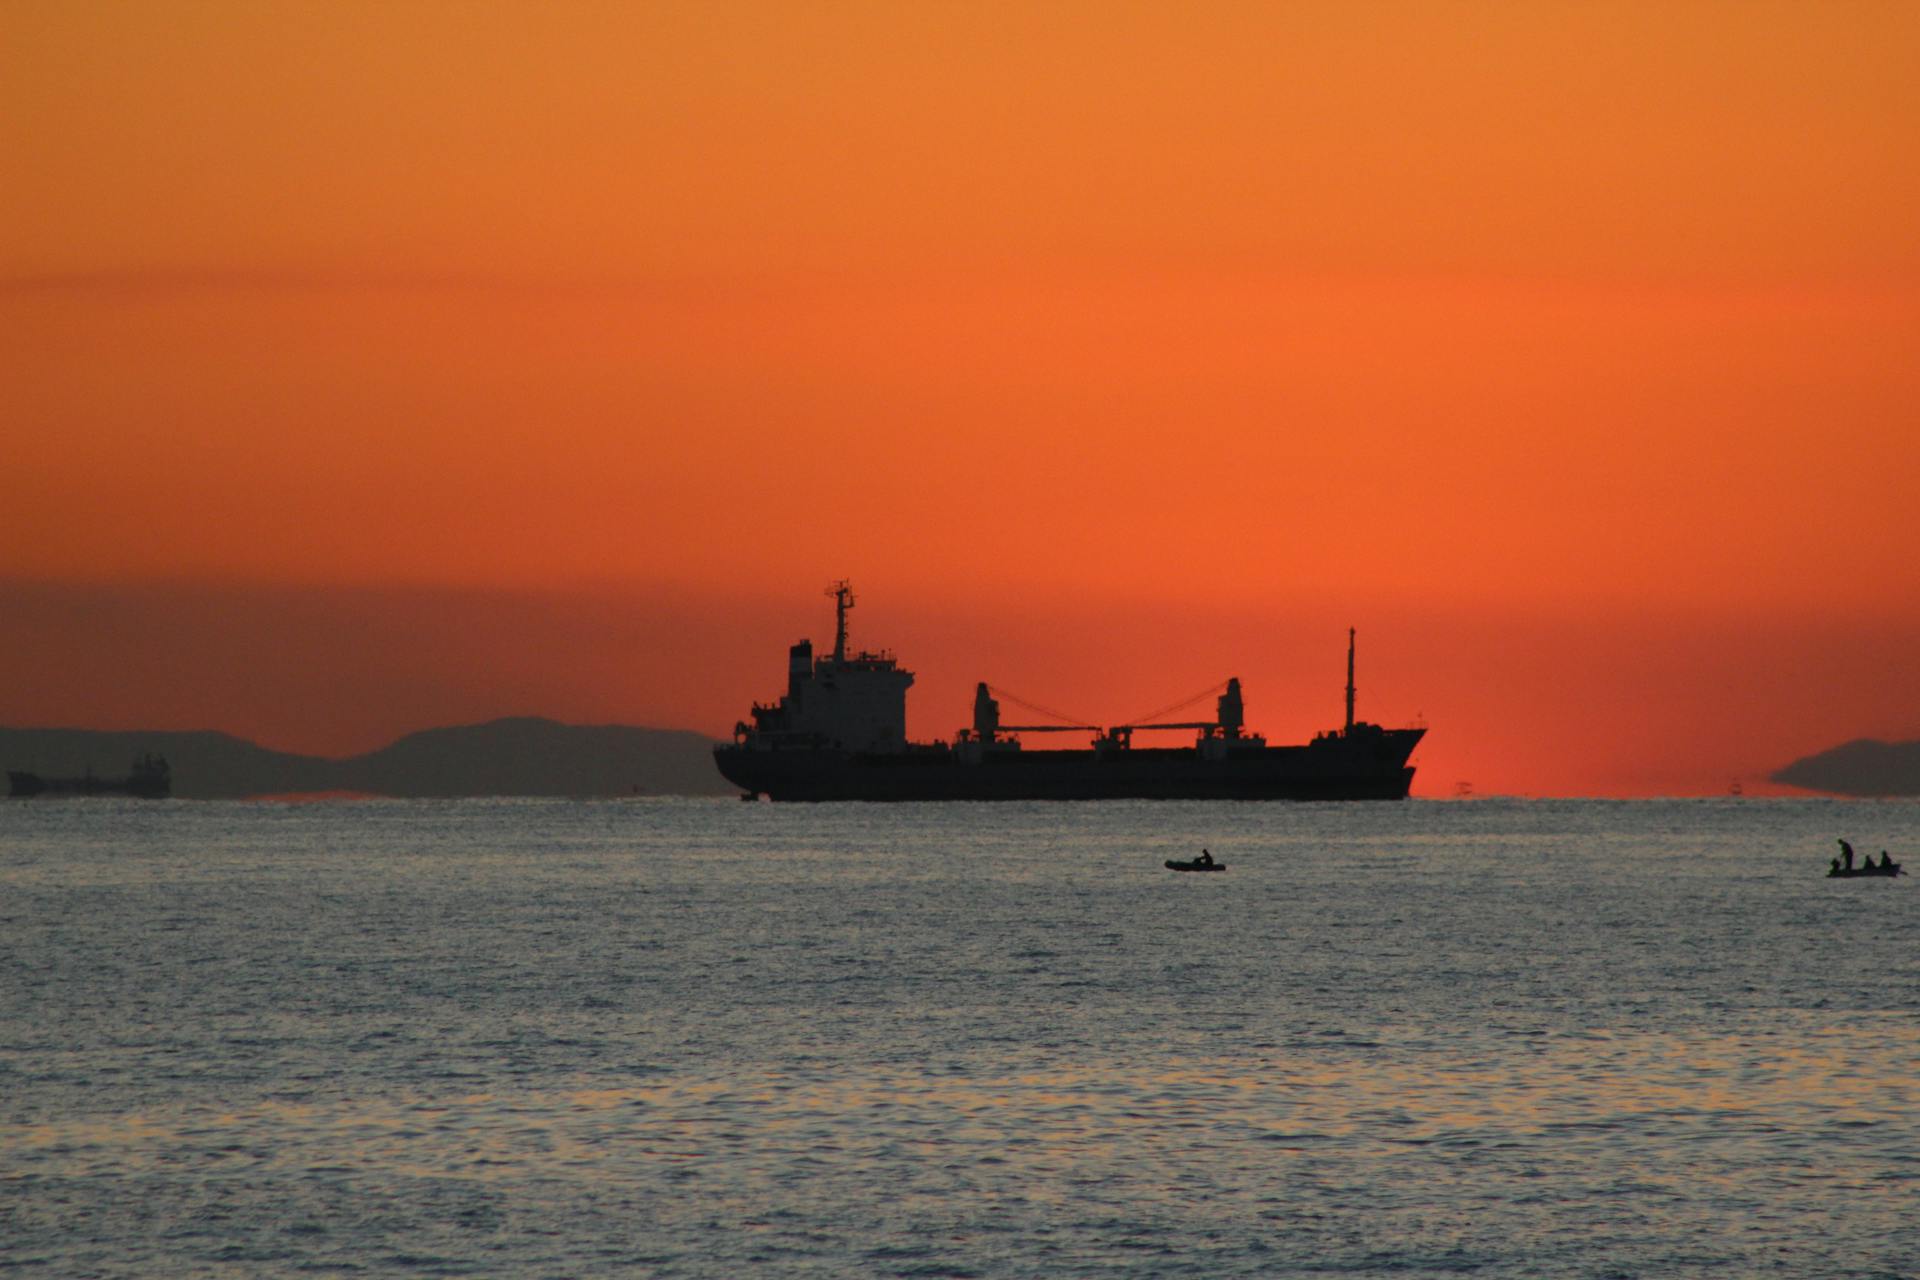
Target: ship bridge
[(838, 701)]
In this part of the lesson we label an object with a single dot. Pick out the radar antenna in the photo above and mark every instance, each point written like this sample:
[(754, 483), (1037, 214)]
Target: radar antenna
[(842, 593)]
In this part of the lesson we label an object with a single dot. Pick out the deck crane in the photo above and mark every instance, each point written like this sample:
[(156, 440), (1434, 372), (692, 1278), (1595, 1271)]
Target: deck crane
[(986, 717), (1229, 723)]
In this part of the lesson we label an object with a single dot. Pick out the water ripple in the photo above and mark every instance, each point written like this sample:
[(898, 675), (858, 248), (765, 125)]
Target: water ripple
[(704, 1040)]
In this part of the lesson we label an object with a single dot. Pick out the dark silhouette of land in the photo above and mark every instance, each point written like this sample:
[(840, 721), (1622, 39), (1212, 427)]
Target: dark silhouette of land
[(1864, 767), (513, 757)]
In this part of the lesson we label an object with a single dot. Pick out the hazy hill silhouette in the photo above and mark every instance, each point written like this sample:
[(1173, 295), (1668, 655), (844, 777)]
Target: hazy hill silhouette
[(523, 756), (533, 757), (1864, 767)]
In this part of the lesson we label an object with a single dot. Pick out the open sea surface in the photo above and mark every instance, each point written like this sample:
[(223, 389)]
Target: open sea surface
[(705, 1038)]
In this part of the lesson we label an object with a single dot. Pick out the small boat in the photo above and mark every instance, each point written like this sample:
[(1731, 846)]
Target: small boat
[(1854, 873), (1196, 865)]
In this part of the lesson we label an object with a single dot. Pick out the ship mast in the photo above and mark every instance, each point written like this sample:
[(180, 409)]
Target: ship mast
[(842, 593), (1349, 679)]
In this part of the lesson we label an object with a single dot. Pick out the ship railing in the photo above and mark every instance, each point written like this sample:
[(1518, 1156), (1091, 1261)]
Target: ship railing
[(876, 657)]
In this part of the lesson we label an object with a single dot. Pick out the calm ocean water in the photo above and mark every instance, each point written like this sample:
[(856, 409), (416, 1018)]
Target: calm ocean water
[(695, 1038)]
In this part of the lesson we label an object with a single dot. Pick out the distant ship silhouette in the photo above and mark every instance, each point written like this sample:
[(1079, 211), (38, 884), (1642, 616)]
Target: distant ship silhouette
[(839, 733), (150, 779)]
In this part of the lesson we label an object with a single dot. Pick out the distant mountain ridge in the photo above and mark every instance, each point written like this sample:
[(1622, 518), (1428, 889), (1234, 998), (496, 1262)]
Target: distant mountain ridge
[(516, 756), (1863, 767)]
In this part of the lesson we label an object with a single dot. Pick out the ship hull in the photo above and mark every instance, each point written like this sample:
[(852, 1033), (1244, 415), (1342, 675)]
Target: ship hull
[(1327, 770)]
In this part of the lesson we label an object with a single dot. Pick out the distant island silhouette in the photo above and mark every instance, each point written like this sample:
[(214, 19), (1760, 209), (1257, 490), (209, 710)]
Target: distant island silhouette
[(518, 756), (1863, 767)]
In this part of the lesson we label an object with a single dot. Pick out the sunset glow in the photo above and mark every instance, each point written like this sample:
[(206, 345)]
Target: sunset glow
[(371, 366)]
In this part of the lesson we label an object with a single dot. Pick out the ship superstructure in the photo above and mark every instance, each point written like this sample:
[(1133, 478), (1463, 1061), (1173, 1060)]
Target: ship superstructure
[(850, 702), (839, 733)]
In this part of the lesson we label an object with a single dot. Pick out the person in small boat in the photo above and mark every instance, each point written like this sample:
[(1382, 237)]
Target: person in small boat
[(1205, 859), (1834, 867), (1846, 852)]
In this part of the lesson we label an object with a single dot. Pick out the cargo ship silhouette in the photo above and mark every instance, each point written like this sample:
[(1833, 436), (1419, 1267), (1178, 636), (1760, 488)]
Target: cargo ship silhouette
[(149, 779), (839, 733)]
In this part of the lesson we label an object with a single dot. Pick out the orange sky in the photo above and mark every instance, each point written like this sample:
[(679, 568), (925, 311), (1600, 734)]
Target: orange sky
[(439, 361)]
